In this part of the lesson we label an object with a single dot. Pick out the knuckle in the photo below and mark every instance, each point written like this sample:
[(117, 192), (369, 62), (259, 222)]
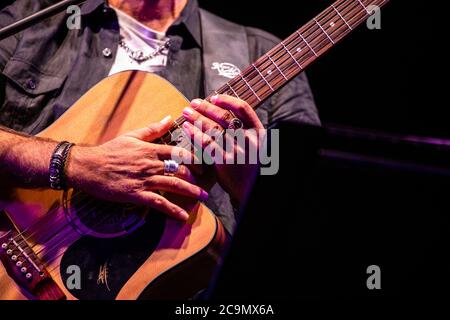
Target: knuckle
[(209, 109), (207, 140), (153, 171), (175, 183), (225, 117), (183, 171), (216, 128), (150, 183), (241, 106), (200, 105), (158, 202), (152, 130)]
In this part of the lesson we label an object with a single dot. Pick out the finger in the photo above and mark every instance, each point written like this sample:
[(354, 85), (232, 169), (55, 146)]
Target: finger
[(152, 131), (160, 203), (205, 123), (180, 155), (240, 108), (204, 140), (219, 115), (183, 173), (176, 185)]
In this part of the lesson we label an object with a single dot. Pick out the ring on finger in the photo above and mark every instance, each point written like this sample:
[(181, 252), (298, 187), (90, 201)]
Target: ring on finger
[(171, 167), (235, 123)]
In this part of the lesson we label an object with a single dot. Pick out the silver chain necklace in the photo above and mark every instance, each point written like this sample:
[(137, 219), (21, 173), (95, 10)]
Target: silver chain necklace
[(139, 56)]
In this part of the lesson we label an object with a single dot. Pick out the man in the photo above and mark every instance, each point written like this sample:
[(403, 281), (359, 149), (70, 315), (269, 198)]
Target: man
[(44, 72)]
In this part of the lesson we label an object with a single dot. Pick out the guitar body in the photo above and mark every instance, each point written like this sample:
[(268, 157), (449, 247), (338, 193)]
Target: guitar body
[(101, 250)]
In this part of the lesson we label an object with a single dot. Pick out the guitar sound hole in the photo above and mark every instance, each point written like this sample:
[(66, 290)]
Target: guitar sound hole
[(102, 218)]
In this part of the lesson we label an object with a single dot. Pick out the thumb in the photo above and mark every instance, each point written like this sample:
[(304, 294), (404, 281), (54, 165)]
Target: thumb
[(153, 130)]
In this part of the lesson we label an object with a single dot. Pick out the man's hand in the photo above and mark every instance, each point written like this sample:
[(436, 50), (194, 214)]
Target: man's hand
[(131, 169), (203, 117)]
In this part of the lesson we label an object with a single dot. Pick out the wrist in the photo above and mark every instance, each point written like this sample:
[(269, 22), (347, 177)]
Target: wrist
[(76, 166)]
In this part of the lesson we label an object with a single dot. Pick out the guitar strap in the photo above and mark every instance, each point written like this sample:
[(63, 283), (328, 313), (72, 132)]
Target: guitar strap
[(225, 50)]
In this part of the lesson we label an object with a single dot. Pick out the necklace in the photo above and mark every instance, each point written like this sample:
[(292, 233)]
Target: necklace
[(139, 56)]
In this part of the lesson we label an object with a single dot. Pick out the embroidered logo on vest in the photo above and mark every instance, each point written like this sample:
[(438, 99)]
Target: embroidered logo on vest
[(226, 69)]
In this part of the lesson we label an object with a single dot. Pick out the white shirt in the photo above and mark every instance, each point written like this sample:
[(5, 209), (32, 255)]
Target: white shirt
[(138, 37)]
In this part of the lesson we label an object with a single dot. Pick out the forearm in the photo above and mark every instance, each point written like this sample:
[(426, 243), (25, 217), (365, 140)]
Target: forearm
[(24, 160)]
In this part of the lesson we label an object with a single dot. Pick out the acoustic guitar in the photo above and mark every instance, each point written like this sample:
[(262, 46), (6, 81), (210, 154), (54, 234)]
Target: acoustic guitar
[(69, 245)]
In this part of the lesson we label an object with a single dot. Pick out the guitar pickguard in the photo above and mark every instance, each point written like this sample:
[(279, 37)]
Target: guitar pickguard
[(105, 265)]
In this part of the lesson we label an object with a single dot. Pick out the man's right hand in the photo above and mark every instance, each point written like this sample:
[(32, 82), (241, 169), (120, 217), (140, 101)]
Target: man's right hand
[(130, 169)]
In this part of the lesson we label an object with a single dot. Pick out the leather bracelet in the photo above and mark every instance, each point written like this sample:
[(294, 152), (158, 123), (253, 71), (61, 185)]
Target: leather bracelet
[(57, 165)]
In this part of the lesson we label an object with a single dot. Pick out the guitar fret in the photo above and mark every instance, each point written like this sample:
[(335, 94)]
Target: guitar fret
[(345, 21), (306, 42), (276, 68), (279, 70), (363, 6), (232, 90), (329, 38), (285, 48), (262, 76), (250, 87)]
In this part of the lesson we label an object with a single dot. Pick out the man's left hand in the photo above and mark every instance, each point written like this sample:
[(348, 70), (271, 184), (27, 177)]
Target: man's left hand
[(205, 118)]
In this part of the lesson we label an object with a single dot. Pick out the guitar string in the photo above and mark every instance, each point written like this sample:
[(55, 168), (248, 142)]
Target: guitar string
[(321, 20), (320, 17), (341, 12), (248, 94), (308, 54), (337, 31), (273, 53), (363, 18), (73, 199), (285, 60), (226, 88), (327, 16), (47, 226), (70, 230)]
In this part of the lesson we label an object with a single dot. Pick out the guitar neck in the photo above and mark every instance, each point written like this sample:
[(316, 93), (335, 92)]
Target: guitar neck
[(293, 55)]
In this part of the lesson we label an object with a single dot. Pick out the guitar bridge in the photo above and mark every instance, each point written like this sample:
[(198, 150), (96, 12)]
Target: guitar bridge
[(25, 268)]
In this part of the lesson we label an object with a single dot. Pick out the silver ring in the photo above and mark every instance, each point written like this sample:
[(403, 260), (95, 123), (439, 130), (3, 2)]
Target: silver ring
[(235, 123), (170, 167)]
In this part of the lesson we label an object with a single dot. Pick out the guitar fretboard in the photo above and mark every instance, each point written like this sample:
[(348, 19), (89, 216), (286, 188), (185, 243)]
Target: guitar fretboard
[(293, 55)]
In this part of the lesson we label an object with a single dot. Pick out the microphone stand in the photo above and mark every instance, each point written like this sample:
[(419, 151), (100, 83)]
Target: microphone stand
[(37, 17)]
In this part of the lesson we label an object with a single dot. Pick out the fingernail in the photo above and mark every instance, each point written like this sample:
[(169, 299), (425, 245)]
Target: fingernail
[(196, 103), (203, 195), (166, 120), (183, 215), (188, 112), (187, 127), (214, 98)]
